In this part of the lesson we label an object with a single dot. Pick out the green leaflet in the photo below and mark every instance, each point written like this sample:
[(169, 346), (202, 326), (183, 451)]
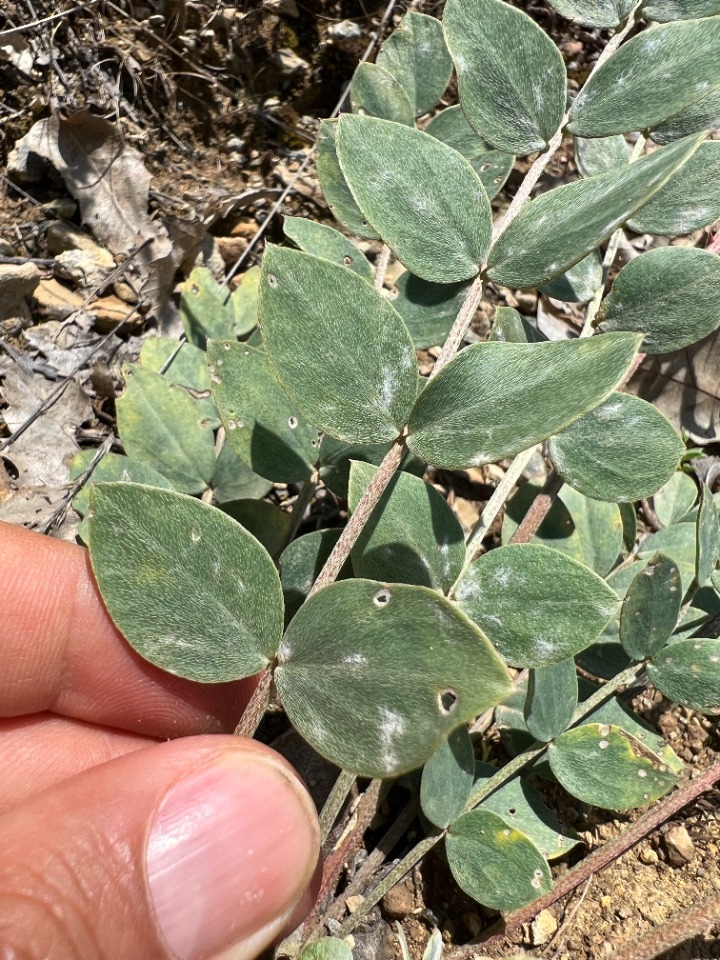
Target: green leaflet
[(270, 525), (162, 425), (511, 76), (560, 227), (580, 282), (190, 590), (416, 56), (537, 605), (602, 765), (188, 369), (245, 302), (589, 531), (422, 197), (234, 480), (450, 125), (494, 863), (704, 114), (493, 168), (112, 467), (552, 697), (606, 656), (675, 499), (679, 9), (339, 349), (412, 536), (300, 565), (208, 310), (376, 93), (689, 202), (688, 673), (428, 309), (356, 648), (327, 948), (334, 186), (708, 537), (323, 241), (679, 542), (336, 456), (461, 418), (670, 294), (262, 425), (520, 805), (651, 77), (598, 155), (623, 450), (594, 13), (511, 327), (651, 608), (447, 779)]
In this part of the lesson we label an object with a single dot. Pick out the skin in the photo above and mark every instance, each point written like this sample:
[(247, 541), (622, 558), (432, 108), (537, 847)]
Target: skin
[(100, 753)]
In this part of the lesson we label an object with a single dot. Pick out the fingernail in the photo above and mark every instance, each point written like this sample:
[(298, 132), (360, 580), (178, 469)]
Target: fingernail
[(231, 849)]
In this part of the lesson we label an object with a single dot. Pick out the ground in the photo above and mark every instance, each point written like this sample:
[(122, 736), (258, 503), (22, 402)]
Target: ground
[(223, 103)]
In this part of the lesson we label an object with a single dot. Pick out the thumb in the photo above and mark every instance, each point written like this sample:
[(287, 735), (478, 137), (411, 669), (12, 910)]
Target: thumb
[(195, 849)]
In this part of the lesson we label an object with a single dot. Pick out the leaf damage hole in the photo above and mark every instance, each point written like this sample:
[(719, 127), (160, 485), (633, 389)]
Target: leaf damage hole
[(381, 598), (447, 701), (272, 280), (227, 345), (292, 422), (347, 261), (196, 534)]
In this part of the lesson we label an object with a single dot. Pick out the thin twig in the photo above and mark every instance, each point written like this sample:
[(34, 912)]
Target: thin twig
[(492, 509), (539, 509), (257, 705), (54, 16), (559, 936), (59, 513), (381, 265)]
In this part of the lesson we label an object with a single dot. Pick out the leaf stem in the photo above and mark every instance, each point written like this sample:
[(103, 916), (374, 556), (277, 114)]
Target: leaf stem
[(492, 509), (333, 804), (257, 705)]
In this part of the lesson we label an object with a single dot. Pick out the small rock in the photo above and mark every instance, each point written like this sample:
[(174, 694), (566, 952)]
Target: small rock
[(290, 63), (64, 236), (17, 282), (345, 30), (231, 248), (648, 855), (234, 144), (679, 846), (286, 8), (79, 267), (56, 302), (124, 291), (353, 903), (543, 928), (399, 902)]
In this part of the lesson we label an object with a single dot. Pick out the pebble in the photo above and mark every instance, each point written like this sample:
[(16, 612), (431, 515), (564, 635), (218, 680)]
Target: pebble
[(64, 236), (289, 62), (543, 928), (353, 903), (680, 848), (648, 856), (286, 8), (345, 30), (398, 902), (79, 267)]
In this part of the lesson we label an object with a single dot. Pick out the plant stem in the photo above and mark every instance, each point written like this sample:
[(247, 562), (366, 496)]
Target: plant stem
[(257, 705), (333, 804), (539, 509), (302, 502), (368, 502), (601, 858), (381, 265), (461, 324), (492, 509), (481, 793)]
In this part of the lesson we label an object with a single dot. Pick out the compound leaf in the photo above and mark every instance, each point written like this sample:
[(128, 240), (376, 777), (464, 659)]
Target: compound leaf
[(376, 93), (708, 537), (651, 77), (422, 197), (416, 56), (356, 648), (428, 309), (511, 76), (261, 423), (447, 779), (413, 536), (594, 13), (461, 418), (561, 226), (670, 294), (190, 590), (162, 425), (334, 185), (537, 605), (589, 531), (552, 697), (339, 349), (605, 766), (688, 673), (623, 450), (323, 241), (651, 608), (689, 202), (494, 863), (675, 499)]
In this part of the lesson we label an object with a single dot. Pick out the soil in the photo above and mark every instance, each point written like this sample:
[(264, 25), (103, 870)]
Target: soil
[(226, 100)]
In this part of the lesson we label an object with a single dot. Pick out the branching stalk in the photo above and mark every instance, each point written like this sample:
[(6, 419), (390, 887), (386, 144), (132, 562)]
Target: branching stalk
[(539, 509)]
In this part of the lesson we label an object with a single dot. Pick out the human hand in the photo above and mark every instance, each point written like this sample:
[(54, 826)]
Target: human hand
[(113, 844)]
